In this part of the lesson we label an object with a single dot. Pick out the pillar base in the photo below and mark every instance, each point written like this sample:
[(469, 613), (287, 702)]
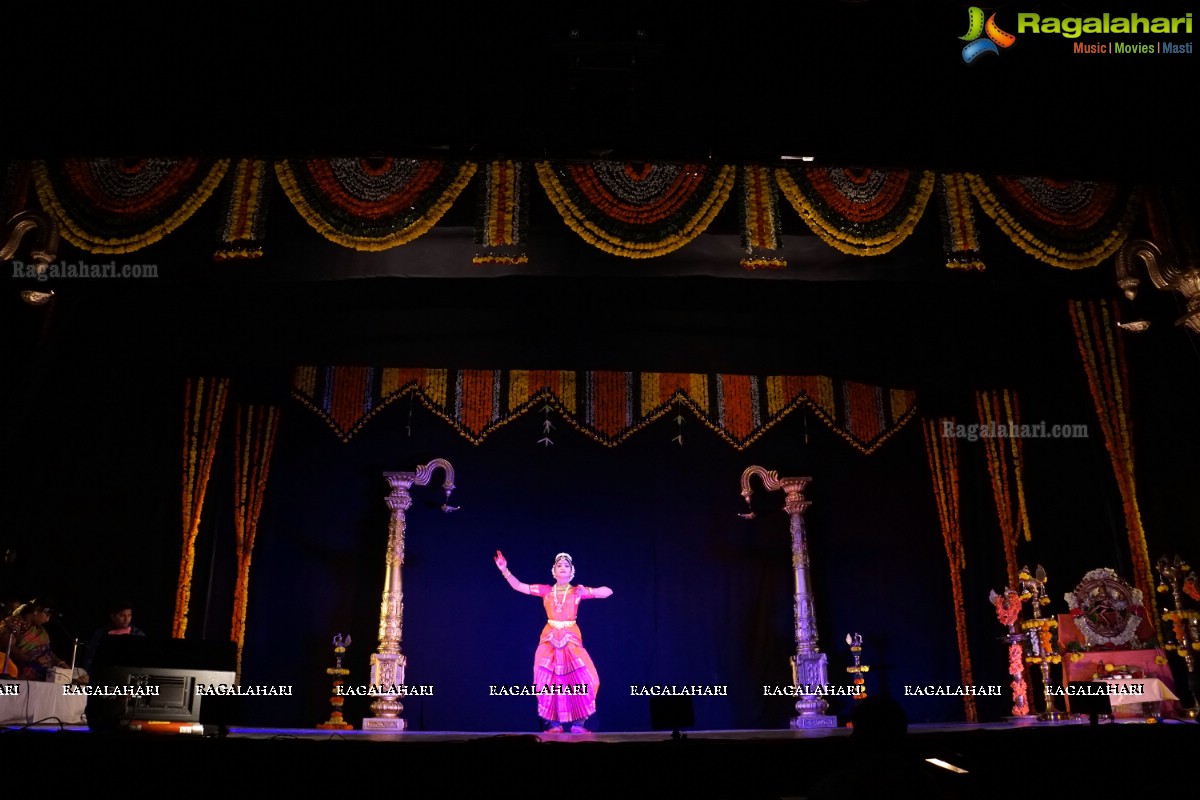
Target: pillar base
[(384, 724)]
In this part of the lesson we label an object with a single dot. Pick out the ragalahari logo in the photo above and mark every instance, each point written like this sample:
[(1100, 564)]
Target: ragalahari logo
[(976, 27)]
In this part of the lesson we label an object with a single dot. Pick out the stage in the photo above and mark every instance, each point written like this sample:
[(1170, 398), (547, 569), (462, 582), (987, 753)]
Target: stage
[(998, 760)]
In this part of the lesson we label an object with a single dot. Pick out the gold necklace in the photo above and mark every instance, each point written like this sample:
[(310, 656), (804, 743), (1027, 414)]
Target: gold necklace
[(558, 604)]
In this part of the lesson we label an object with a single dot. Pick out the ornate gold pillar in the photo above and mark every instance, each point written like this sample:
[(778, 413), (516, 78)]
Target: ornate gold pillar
[(387, 665), (810, 667)]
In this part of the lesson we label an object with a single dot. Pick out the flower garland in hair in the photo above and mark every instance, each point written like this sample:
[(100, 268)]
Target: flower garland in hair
[(942, 453), (372, 204), (113, 205), (637, 210), (1069, 224), (861, 212)]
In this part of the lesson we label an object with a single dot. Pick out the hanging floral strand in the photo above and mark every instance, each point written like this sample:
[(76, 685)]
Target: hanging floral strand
[(997, 413), (1103, 357), (942, 453), (253, 445), (501, 223), (758, 209), (960, 234), (203, 409)]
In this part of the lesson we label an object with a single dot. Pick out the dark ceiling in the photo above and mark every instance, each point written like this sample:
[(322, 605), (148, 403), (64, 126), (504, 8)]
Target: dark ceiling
[(868, 83)]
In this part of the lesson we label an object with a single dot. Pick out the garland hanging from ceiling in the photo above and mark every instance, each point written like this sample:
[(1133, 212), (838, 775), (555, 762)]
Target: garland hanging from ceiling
[(942, 453), (1070, 224), (372, 204), (960, 234), (245, 196), (502, 217), (606, 406), (861, 212), (758, 212), (637, 210), (118, 205)]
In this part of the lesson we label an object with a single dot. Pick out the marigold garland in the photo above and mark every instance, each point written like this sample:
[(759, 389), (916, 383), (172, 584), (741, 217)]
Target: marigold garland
[(942, 453), (1008, 611), (637, 211), (241, 232), (203, 410), (1103, 357), (1005, 468), (1069, 224), (960, 233), (758, 211), (111, 205), (501, 218), (608, 407), (860, 212), (372, 204), (254, 441)]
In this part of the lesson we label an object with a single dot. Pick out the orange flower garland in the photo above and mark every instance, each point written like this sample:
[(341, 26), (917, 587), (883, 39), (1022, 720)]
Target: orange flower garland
[(738, 408), (960, 235), (245, 212), (372, 204), (107, 205), (759, 211), (609, 206), (254, 442), (502, 218), (203, 410), (1108, 380), (858, 212), (1072, 224), (942, 453), (1004, 457)]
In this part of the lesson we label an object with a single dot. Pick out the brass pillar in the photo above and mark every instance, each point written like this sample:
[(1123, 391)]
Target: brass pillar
[(388, 663), (810, 667)]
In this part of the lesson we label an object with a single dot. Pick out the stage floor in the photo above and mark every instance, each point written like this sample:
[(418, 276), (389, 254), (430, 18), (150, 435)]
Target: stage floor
[(985, 760)]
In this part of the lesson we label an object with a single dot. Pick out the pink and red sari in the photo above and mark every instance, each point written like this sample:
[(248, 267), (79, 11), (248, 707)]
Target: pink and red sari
[(562, 661)]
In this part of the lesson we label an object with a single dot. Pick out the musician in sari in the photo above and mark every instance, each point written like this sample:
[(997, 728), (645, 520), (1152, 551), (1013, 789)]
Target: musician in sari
[(23, 636)]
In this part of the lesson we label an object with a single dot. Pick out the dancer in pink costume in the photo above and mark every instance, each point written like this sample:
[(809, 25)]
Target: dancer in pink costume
[(561, 665)]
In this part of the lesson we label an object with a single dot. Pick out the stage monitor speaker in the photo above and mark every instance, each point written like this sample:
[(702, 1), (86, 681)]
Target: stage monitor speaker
[(163, 676), (671, 713)]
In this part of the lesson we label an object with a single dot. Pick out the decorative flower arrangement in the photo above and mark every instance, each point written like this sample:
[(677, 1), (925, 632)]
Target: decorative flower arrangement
[(1108, 381), (372, 204), (1178, 620), (1070, 224), (857, 211), (637, 210), (1046, 641), (960, 235), (116, 205)]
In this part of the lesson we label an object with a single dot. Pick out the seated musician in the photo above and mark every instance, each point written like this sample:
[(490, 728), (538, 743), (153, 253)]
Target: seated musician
[(24, 639)]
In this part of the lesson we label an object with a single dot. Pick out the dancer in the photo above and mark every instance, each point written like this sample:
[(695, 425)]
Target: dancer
[(561, 666)]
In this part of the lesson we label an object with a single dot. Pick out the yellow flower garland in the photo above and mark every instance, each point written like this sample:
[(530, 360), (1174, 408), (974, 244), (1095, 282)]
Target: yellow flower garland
[(75, 233), (1031, 244), (593, 234), (371, 244), (846, 242)]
